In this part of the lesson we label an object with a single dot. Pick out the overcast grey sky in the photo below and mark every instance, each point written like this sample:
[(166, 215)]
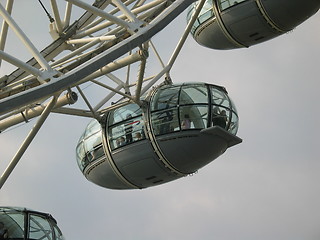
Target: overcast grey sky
[(265, 188)]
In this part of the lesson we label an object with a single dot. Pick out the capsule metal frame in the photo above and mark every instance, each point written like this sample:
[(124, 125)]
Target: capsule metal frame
[(23, 223), (177, 130), (230, 24)]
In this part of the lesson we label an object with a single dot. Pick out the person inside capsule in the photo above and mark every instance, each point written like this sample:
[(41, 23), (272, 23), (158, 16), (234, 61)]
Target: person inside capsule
[(175, 133), (126, 126)]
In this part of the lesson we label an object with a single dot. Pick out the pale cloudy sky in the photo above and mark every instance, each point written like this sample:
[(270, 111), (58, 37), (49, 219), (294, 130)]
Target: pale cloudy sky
[(265, 188)]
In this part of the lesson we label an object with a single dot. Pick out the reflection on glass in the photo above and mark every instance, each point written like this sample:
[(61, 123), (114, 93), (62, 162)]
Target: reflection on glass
[(165, 121), (90, 147), (165, 98), (123, 113), (81, 156), (11, 227), (92, 141), (126, 132), (20, 223), (58, 233), (92, 127), (205, 13), (39, 228), (224, 4), (219, 98), (194, 117), (193, 94), (234, 124)]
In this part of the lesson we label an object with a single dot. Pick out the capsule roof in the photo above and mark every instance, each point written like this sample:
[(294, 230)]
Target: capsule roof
[(24, 223)]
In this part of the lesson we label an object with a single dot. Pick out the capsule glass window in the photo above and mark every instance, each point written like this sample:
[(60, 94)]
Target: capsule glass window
[(39, 228), (219, 98), (205, 14), (81, 156), (234, 124), (165, 121), (93, 142), (12, 220), (123, 113), (58, 233), (193, 94), (165, 98), (90, 145), (224, 4), (220, 117), (92, 128), (193, 117), (128, 130)]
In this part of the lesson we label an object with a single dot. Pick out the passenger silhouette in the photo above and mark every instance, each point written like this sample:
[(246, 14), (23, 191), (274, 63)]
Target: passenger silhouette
[(223, 119), (219, 118), (137, 136), (120, 141), (186, 123), (128, 129)]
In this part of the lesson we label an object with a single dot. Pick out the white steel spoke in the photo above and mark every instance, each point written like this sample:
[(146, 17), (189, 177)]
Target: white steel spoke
[(17, 62), (94, 114), (185, 34), (25, 40), (127, 13), (35, 111), (5, 26), (27, 141), (107, 98), (105, 48), (102, 14), (92, 47), (67, 15), (56, 14)]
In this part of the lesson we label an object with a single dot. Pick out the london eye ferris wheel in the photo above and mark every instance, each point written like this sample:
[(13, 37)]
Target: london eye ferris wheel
[(147, 129)]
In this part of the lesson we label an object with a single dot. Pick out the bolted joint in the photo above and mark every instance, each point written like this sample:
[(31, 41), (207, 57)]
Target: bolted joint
[(72, 97)]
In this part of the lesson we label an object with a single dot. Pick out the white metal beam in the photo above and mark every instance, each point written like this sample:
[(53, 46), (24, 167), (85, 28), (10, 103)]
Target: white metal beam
[(67, 16), (56, 15), (95, 27), (107, 98), (27, 142), (88, 40), (69, 98), (20, 64), (103, 14), (123, 8), (185, 34), (5, 27), (140, 81), (25, 40), (73, 77), (94, 113)]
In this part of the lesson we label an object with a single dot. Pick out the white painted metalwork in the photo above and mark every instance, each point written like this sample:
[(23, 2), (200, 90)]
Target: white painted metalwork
[(34, 111), (24, 39), (103, 14), (27, 141), (5, 26), (111, 37)]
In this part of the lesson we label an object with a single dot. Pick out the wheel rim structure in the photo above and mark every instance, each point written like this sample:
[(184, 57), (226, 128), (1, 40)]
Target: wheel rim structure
[(52, 79), (109, 37)]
